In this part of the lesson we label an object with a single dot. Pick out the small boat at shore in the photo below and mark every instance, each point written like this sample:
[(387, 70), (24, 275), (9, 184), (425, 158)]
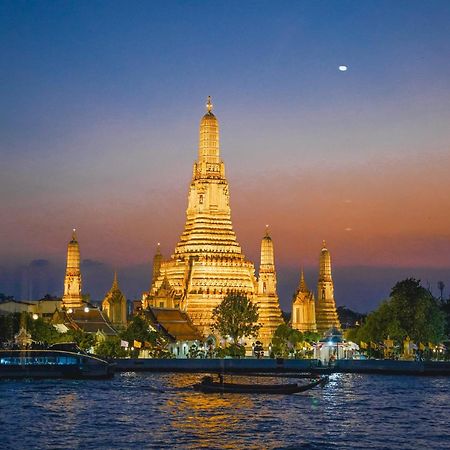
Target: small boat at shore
[(207, 385), (52, 364)]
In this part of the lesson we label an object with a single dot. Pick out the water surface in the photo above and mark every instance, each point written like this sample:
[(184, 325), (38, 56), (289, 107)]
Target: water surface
[(146, 410)]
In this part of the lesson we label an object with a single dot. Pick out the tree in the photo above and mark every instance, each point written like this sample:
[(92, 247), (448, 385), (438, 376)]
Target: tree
[(285, 340), (236, 317), (139, 330), (411, 311), (110, 348)]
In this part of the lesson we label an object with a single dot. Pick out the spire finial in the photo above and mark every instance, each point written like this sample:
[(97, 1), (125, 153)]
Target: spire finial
[(74, 235), (209, 105), (267, 229), (324, 244), (303, 287), (115, 282)]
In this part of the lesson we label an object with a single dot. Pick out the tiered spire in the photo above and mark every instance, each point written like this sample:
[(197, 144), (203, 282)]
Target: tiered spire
[(72, 281), (208, 262), (326, 314), (269, 308), (302, 287), (115, 304), (303, 307)]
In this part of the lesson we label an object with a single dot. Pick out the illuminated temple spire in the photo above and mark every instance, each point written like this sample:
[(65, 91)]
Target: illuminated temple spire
[(303, 307), (72, 281), (208, 262), (157, 259), (326, 314), (269, 309), (115, 304)]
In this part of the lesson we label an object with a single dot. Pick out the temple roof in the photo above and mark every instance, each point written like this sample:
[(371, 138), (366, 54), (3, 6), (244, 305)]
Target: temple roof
[(89, 321), (175, 322)]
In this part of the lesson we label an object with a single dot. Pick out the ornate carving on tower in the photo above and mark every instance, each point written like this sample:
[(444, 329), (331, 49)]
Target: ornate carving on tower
[(326, 314), (267, 299), (115, 304), (303, 308), (157, 259), (72, 281), (208, 262)]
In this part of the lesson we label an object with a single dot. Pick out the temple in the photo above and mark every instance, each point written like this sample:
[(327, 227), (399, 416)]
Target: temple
[(303, 308), (269, 308), (115, 305), (72, 281), (326, 314), (208, 262)]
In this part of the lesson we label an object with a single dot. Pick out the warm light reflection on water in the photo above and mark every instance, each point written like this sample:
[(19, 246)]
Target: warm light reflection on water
[(140, 410)]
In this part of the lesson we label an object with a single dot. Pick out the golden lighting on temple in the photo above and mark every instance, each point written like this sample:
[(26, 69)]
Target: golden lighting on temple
[(208, 262)]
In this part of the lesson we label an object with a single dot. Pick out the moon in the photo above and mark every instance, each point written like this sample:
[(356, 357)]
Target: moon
[(343, 68)]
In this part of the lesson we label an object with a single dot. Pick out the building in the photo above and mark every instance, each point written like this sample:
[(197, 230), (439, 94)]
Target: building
[(319, 315), (45, 307), (177, 327), (267, 298), (303, 308), (326, 314), (208, 262), (72, 281), (88, 319), (114, 305)]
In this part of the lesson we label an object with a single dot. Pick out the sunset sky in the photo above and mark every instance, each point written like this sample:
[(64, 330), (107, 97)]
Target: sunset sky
[(100, 104)]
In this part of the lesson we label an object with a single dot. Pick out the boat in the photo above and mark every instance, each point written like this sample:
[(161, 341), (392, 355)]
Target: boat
[(207, 385), (52, 364)]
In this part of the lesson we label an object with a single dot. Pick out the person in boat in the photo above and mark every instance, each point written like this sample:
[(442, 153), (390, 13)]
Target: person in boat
[(207, 380)]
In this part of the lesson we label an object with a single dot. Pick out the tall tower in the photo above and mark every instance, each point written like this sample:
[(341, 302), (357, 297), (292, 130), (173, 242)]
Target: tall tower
[(269, 308), (326, 315), (208, 262), (72, 281), (303, 308), (115, 304), (157, 259)]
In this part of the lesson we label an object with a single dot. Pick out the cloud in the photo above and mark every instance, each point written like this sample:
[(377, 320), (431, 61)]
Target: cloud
[(40, 263), (91, 263)]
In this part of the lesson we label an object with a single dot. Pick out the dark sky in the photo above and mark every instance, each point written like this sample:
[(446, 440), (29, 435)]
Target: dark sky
[(99, 112)]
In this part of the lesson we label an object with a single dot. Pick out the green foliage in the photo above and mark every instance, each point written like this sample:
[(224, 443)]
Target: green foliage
[(410, 311), (9, 326), (110, 348), (41, 331), (285, 341), (232, 351), (236, 317), (445, 308), (138, 329), (84, 340), (195, 352)]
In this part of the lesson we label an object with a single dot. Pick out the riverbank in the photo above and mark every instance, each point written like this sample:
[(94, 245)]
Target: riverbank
[(214, 365)]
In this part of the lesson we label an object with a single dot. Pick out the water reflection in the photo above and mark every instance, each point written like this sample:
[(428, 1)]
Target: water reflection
[(161, 411)]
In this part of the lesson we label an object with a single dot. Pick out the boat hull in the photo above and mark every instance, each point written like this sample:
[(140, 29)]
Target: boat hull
[(235, 388), (41, 364)]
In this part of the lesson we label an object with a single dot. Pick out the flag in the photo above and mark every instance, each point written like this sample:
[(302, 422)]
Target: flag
[(421, 346), (124, 344), (137, 344), (363, 345)]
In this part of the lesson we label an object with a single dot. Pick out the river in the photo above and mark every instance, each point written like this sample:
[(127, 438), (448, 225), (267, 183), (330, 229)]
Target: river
[(148, 410)]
